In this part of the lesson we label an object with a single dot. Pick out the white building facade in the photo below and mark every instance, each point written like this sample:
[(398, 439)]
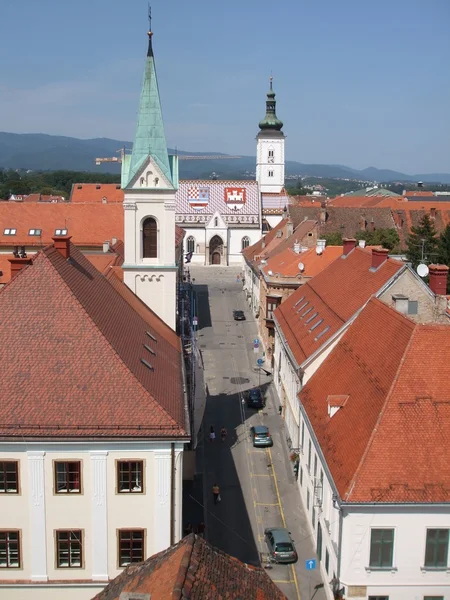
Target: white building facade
[(73, 514)]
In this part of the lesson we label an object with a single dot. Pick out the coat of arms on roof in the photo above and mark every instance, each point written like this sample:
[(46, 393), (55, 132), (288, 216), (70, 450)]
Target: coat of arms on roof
[(235, 197), (198, 196)]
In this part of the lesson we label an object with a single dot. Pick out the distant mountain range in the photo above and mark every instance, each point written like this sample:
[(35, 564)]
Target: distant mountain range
[(41, 152)]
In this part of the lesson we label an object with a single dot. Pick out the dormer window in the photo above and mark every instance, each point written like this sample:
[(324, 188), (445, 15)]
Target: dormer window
[(104, 200)]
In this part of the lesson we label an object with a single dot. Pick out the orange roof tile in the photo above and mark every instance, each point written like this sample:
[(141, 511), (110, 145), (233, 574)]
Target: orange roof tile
[(70, 339), (335, 294), (97, 193), (88, 224), (285, 263), (260, 247), (193, 570), (397, 415)]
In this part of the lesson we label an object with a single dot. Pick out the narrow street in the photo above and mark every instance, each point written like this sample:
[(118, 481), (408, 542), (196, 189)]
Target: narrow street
[(257, 485)]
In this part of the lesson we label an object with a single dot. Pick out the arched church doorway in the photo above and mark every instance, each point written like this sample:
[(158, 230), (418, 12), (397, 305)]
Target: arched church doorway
[(215, 250)]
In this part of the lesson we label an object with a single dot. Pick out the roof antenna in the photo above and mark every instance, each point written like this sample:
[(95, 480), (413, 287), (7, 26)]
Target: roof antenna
[(150, 32)]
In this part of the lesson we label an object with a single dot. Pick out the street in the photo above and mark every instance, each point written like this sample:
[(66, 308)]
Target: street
[(257, 485)]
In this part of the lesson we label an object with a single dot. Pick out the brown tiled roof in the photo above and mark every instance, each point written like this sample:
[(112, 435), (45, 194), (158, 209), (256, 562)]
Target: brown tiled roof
[(88, 224), (71, 347), (390, 442), (96, 192), (336, 294), (193, 570)]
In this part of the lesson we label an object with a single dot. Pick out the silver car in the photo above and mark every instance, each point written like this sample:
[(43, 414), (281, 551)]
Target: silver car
[(280, 545)]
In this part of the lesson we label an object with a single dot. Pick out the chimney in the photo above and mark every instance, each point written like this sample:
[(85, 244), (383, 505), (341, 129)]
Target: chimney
[(379, 256), (362, 243), (289, 227), (106, 246), (433, 213), (349, 245), (323, 213), (113, 241), (321, 244), (62, 244), (438, 279), (17, 263), (297, 247)]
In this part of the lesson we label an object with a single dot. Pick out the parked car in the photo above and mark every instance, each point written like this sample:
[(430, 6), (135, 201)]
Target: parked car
[(238, 315), (280, 545), (255, 398), (261, 437)]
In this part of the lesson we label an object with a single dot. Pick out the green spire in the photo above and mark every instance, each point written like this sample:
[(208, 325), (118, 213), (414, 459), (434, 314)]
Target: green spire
[(150, 139), (271, 121)]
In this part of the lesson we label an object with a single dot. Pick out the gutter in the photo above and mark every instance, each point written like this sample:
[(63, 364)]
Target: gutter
[(172, 494)]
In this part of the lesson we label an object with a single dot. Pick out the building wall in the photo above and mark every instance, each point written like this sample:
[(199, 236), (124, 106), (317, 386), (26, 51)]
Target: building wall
[(430, 308), (232, 239), (152, 279), (269, 184), (98, 511)]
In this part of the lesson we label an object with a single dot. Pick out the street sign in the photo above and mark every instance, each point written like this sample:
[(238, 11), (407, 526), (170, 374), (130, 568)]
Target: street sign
[(255, 349), (310, 564), (195, 321), (260, 361), (256, 342)]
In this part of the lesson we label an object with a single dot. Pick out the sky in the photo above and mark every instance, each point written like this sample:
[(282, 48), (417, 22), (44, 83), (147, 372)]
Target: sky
[(359, 82)]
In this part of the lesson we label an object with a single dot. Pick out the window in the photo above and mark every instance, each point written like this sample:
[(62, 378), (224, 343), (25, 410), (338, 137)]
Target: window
[(270, 157), (216, 222), (245, 242), (130, 476), (9, 549), (9, 231), (327, 560), (381, 548), (9, 477), (190, 244), (150, 238), (131, 546), (60, 231), (69, 549), (315, 465), (378, 597), (413, 307), (35, 232), (313, 519), (433, 598), (308, 496), (313, 316), (436, 550), (303, 435), (270, 174), (323, 332), (309, 457), (68, 477), (319, 322), (301, 476), (271, 306)]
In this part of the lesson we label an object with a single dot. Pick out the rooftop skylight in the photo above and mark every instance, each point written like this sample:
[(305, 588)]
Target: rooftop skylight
[(319, 322), (298, 301), (302, 306), (151, 336), (323, 332), (309, 319), (306, 312), (147, 364), (9, 231), (150, 349), (61, 231), (35, 232)]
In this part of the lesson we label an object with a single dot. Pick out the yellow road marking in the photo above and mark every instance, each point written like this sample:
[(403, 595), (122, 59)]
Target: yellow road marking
[(284, 522), (283, 580), (261, 474), (267, 504)]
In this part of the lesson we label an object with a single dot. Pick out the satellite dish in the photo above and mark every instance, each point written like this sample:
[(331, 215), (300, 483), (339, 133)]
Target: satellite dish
[(301, 266), (319, 250), (269, 272), (422, 270)]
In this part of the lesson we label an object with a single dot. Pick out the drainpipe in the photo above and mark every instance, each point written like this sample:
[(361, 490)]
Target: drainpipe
[(338, 575), (172, 493)]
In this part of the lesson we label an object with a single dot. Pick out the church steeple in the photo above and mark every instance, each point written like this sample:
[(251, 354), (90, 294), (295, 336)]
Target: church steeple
[(271, 121), (150, 140)]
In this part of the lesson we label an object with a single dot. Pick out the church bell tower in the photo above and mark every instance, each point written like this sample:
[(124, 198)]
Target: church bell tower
[(149, 181), (270, 149)]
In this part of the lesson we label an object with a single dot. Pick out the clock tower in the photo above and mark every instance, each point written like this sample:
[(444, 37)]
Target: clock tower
[(270, 149)]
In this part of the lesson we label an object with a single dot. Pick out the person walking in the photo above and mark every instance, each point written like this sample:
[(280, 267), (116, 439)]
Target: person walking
[(212, 434), (216, 493), (223, 434)]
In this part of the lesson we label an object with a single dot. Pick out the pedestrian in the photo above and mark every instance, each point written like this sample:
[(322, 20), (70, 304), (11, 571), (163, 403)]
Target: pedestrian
[(212, 434), (201, 529), (188, 528), (223, 434), (238, 279), (216, 493)]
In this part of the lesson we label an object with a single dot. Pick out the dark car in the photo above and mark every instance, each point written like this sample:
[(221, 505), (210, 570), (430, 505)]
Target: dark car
[(261, 437), (255, 398), (280, 545), (238, 315)]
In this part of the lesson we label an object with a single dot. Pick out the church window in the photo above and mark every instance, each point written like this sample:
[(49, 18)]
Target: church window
[(270, 158), (150, 238), (216, 222), (245, 242), (270, 173), (190, 244)]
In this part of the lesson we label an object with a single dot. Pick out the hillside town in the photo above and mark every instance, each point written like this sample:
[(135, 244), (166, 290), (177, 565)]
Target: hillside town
[(215, 389)]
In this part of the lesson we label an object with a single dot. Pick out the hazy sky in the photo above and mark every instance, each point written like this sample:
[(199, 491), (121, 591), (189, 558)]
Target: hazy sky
[(358, 82)]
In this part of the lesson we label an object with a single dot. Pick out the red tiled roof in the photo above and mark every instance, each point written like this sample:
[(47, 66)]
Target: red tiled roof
[(193, 570), (286, 263), (336, 294), (260, 247), (96, 192), (390, 442), (88, 224), (71, 347), (179, 235)]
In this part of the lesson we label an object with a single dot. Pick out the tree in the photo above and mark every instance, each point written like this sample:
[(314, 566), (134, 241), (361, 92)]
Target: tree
[(388, 238), (334, 239), (423, 242)]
